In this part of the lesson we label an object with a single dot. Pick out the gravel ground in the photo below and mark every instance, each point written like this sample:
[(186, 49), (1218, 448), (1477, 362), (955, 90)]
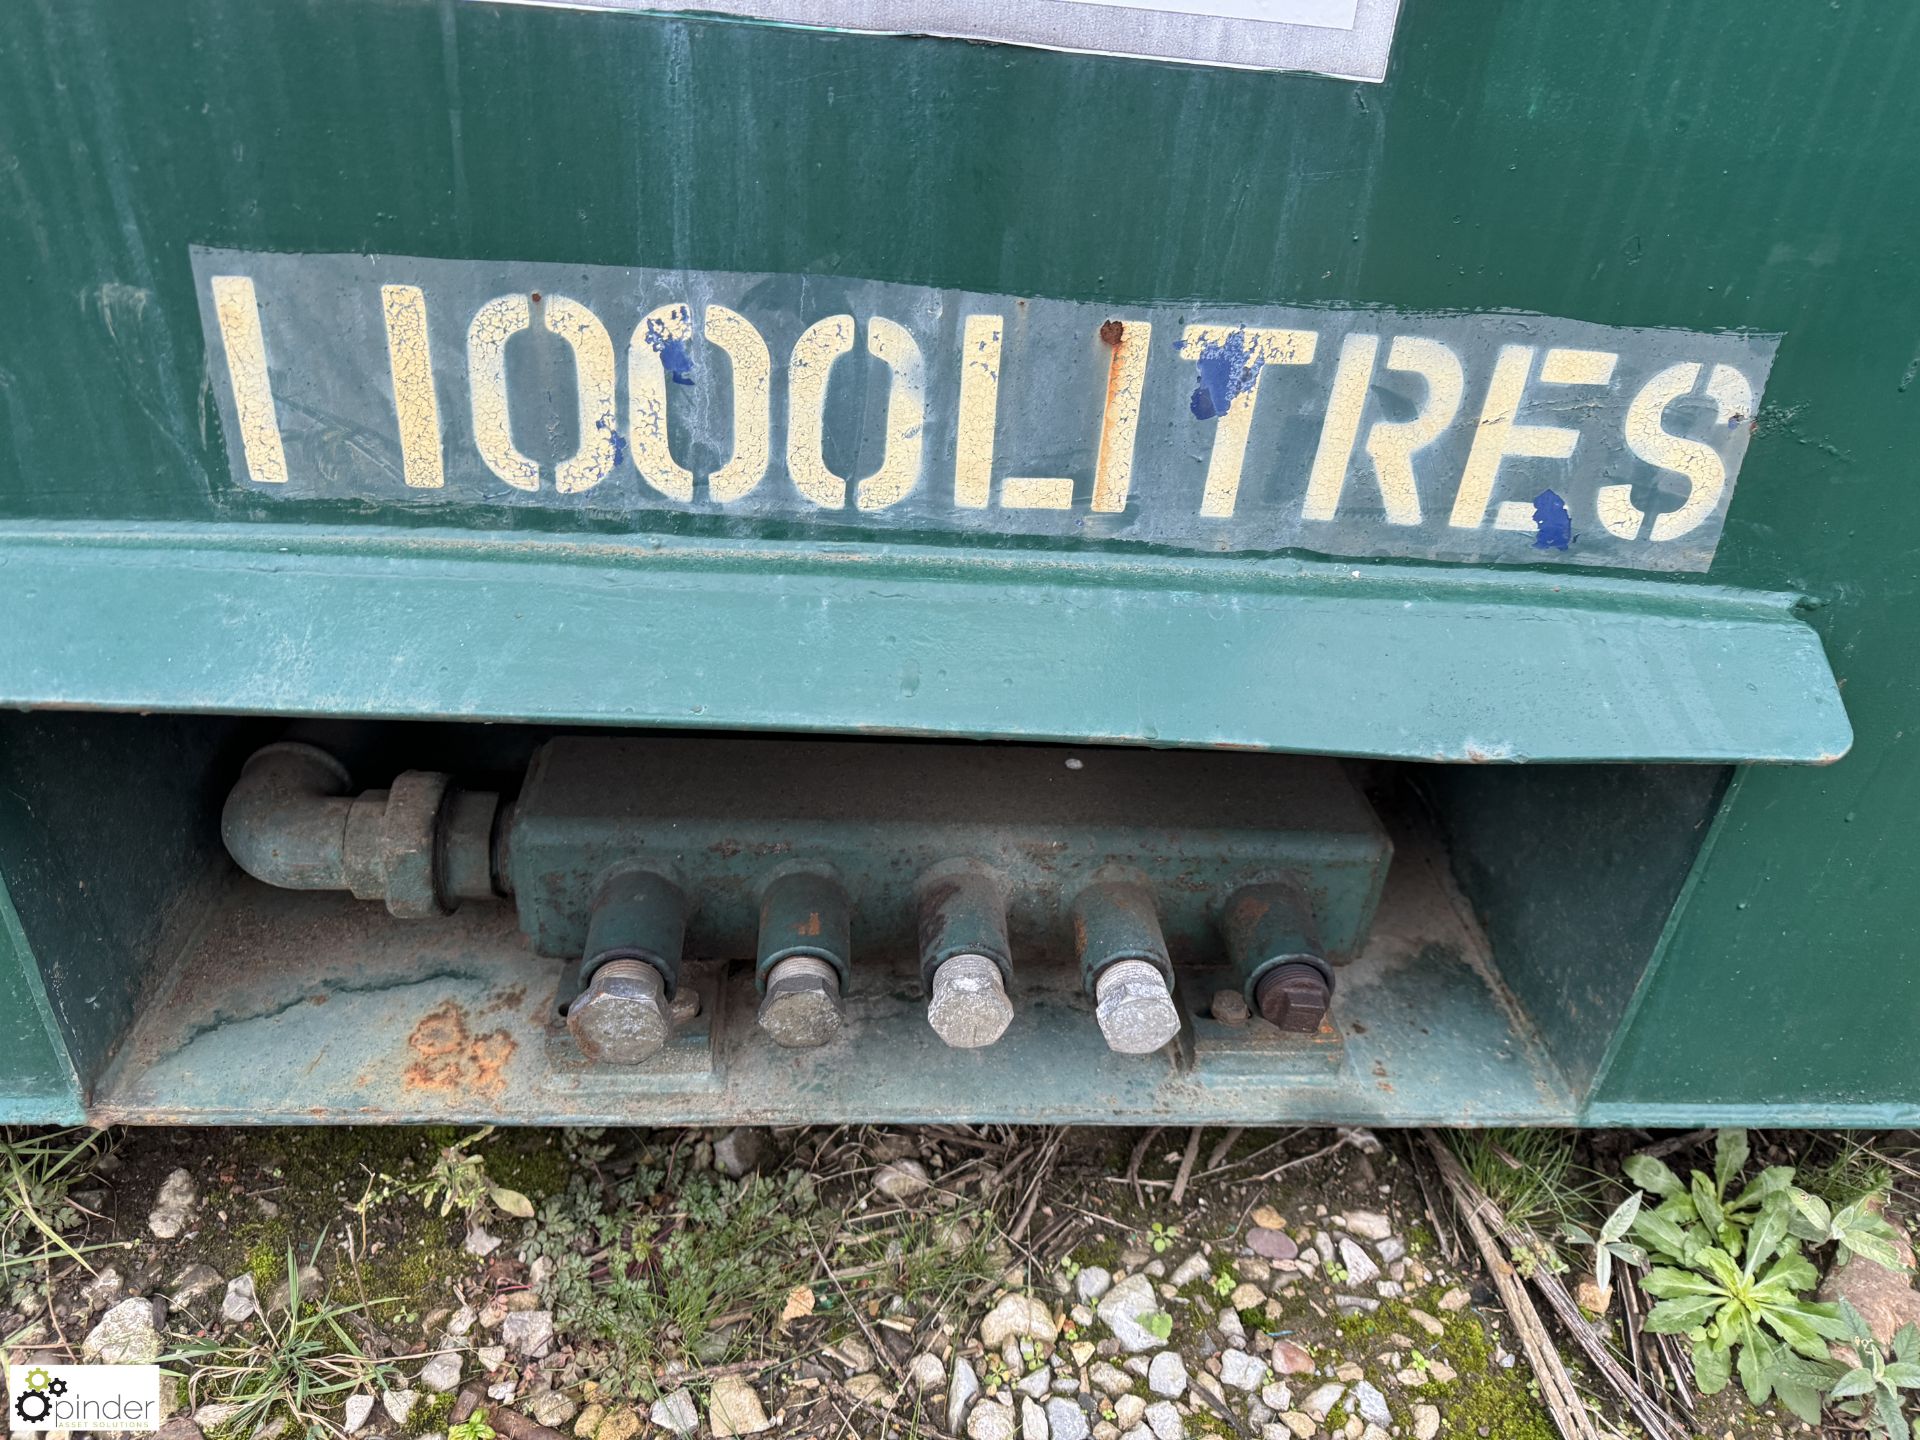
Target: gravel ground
[(990, 1283)]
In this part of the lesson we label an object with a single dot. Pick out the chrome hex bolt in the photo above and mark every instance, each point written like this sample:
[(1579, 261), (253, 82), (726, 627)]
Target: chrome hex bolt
[(969, 1007), (801, 1009), (622, 1017)]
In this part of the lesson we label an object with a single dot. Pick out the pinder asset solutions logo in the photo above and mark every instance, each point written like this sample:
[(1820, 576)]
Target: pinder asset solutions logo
[(83, 1397)]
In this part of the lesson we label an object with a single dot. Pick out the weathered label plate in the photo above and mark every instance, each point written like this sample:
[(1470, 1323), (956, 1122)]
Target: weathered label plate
[(796, 402)]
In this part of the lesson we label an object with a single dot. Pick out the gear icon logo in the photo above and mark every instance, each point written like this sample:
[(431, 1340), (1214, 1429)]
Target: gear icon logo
[(55, 1386), (38, 1379), (33, 1406)]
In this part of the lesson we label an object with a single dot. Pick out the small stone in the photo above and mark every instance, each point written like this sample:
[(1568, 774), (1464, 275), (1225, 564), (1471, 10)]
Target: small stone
[(1392, 1250), (311, 1283), (1066, 1421), (991, 1421), (621, 1423), (528, 1331), (1242, 1371), (1455, 1300), (1017, 1317), (1194, 1267), (1368, 1224), (1167, 1375), (676, 1413), (1372, 1432), (1082, 1351), (212, 1417), (125, 1336), (1091, 1283), (359, 1407), (1037, 1384), (552, 1408), (1291, 1359), (1359, 1265), (460, 1323), (480, 1242), (1426, 1322), (1165, 1421), (105, 1288), (1110, 1381), (740, 1152), (962, 1389), (173, 1207), (1277, 1397), (1323, 1400), (1247, 1297), (589, 1421), (853, 1353), (399, 1404), (901, 1179), (1268, 1218), (925, 1371), (1033, 1421), (1272, 1243), (491, 1357), (1230, 1326), (180, 1427), (1300, 1424), (873, 1390), (505, 1390), (441, 1373), (1885, 1298), (1129, 1410), (1349, 1372), (1371, 1404), (1426, 1422), (733, 1408), (1388, 1290), (1125, 1306), (1592, 1298), (1133, 1257)]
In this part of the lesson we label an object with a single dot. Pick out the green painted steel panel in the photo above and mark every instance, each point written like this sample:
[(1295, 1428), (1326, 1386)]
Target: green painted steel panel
[(1688, 165), (1391, 661)]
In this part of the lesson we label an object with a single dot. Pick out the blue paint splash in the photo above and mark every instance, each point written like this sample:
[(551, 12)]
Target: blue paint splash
[(619, 442), (1551, 522), (1227, 369), (674, 358)]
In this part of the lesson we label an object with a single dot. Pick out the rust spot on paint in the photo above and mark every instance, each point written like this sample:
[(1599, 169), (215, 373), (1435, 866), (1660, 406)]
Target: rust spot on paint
[(452, 1060), (1112, 332), (809, 926)]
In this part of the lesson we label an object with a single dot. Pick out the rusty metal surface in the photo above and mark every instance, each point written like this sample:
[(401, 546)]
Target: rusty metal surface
[(292, 1006)]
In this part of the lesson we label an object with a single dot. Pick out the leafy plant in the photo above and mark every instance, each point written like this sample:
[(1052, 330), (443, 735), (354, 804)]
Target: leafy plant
[(1735, 1280), (1870, 1392), (1157, 1323), (1855, 1228), (1611, 1243), (646, 1277), (1162, 1236), (457, 1181), (301, 1360), (37, 1175), (474, 1427)]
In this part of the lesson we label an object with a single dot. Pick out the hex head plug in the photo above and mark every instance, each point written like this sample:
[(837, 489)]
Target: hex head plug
[(1134, 1008), (1295, 996), (805, 921), (625, 1015), (969, 1007), (802, 1008), (1124, 964), (964, 957)]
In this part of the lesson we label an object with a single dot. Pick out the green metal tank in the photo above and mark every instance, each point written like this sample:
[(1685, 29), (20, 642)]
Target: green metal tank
[(1254, 560)]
